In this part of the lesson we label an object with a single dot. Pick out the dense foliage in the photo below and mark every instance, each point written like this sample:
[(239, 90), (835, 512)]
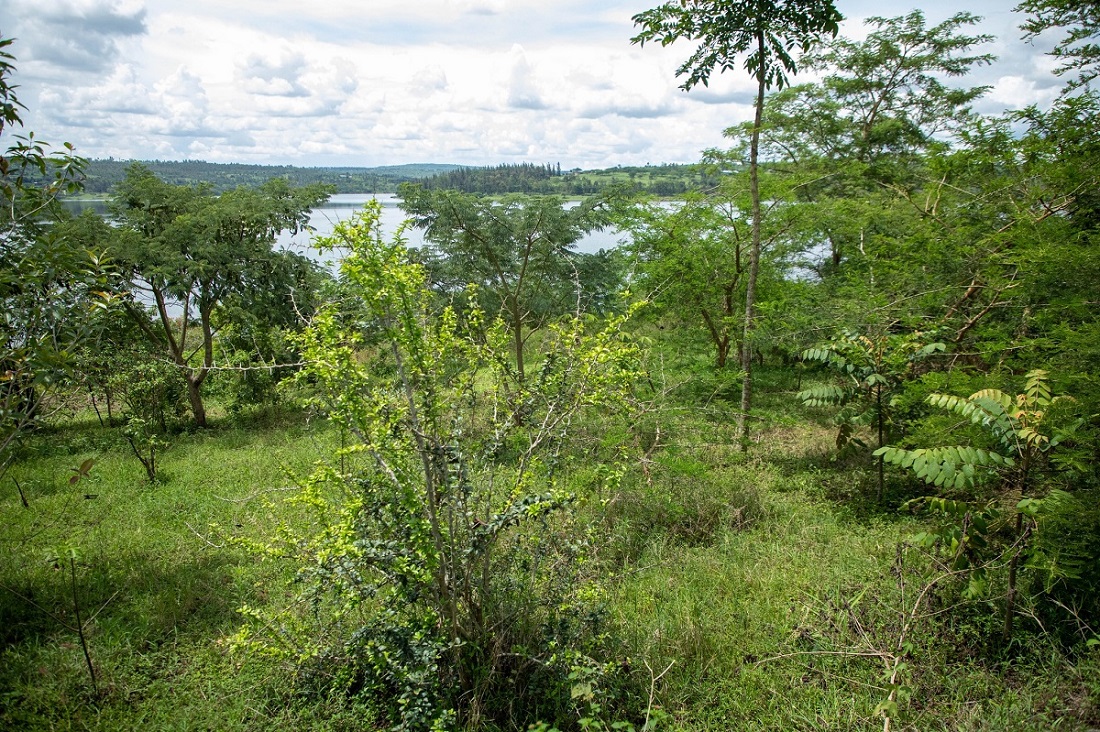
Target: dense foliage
[(50, 277), (448, 587), (511, 487), (657, 180)]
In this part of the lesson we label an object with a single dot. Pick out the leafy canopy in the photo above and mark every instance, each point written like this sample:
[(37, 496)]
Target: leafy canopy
[(1078, 49), (767, 31)]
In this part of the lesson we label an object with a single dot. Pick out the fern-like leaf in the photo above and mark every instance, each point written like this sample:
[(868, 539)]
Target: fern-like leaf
[(820, 396)]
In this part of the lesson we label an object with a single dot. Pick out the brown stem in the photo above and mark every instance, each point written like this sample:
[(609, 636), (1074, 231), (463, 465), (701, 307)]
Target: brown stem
[(881, 458), (80, 629), (1010, 598)]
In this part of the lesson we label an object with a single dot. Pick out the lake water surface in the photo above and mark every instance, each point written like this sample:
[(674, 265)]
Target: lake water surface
[(342, 205)]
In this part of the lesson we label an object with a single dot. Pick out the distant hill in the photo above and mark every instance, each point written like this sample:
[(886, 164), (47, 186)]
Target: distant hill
[(104, 174)]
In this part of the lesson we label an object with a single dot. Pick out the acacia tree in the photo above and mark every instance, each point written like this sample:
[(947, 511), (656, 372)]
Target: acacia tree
[(517, 250), (766, 33), (861, 138), (203, 259), (690, 262)]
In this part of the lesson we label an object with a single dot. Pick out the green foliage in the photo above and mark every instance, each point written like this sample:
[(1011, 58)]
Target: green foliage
[(441, 568), (206, 261), (1077, 50), (50, 277), (518, 252), (1026, 430), (883, 221), (874, 370), (145, 443), (947, 467), (657, 180), (104, 175), (690, 262), (886, 96), (766, 33)]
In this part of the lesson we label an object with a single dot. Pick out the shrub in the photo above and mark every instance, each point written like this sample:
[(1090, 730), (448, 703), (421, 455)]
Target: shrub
[(444, 574)]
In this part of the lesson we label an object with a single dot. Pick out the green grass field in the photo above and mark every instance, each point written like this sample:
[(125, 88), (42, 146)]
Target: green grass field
[(766, 592)]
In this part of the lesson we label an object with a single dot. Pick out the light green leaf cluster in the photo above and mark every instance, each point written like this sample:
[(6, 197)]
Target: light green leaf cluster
[(955, 466)]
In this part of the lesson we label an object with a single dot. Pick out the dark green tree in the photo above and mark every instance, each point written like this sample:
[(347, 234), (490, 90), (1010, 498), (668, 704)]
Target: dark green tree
[(862, 135), (766, 33), (49, 280), (203, 262)]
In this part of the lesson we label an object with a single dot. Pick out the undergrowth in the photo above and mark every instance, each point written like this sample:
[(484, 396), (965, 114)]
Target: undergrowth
[(752, 593)]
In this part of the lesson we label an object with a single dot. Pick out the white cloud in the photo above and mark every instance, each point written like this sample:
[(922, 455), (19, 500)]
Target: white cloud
[(1017, 92), (279, 76), (430, 79), (469, 81), (479, 7), (523, 88), (73, 35)]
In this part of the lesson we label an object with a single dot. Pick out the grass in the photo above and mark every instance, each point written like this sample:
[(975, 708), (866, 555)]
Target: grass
[(762, 583), (162, 588)]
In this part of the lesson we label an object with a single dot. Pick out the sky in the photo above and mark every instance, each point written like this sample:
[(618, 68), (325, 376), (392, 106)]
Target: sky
[(386, 82)]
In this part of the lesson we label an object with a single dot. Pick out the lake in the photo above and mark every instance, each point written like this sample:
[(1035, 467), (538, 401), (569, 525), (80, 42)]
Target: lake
[(342, 205)]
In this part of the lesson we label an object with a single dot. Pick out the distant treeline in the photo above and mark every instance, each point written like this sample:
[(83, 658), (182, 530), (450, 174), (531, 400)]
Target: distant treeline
[(103, 175), (659, 180)]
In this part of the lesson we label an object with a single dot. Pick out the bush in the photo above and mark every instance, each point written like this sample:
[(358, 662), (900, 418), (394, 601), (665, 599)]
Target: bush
[(444, 574)]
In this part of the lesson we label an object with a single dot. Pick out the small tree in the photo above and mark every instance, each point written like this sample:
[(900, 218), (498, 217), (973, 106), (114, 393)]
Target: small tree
[(691, 261), (1026, 429), (50, 281), (518, 251), (873, 370)]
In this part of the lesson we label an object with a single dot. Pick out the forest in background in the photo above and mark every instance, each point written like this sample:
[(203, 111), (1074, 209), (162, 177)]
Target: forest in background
[(101, 177), (817, 449)]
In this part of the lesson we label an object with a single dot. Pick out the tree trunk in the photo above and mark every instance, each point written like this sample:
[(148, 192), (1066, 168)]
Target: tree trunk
[(194, 393), (517, 335), (881, 439), (754, 258), (1010, 597)]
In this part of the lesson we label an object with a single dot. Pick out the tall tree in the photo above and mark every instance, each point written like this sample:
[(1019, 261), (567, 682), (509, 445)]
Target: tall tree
[(519, 250), (872, 147), (49, 281), (201, 259), (766, 33)]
